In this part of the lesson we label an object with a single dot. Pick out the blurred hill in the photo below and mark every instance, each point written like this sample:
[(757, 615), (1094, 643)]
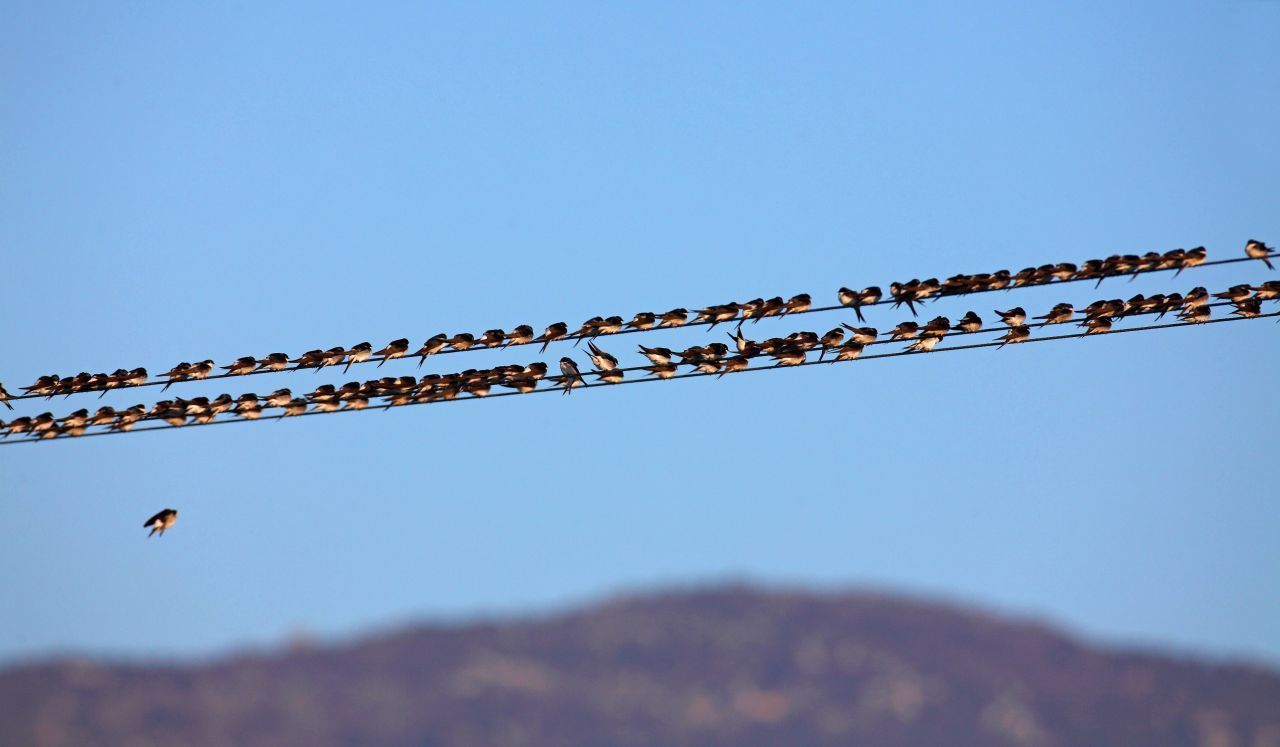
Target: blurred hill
[(732, 666)]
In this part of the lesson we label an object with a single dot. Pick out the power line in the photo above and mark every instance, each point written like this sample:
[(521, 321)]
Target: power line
[(382, 359), (696, 374)]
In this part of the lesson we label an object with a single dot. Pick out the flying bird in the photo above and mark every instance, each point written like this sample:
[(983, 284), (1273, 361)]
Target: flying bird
[(161, 521)]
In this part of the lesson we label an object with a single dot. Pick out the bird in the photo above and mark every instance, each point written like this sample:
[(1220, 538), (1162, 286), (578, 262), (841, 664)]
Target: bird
[(1258, 250), (735, 363), (864, 335), (572, 377), (924, 343), (657, 356), (241, 366), (937, 327), (643, 320), (674, 318), (1059, 314), (521, 335), (435, 344), (491, 337), (1268, 291), (866, 297), (1097, 325), (602, 360), (1236, 293), (789, 356), (394, 349), (661, 370), (359, 353), (278, 398), (798, 304), (850, 350), (177, 373), (161, 521), (970, 323), (274, 362), (1013, 317), (612, 376), (554, 332), (1195, 314), (1016, 333), (4, 397), (904, 331), (1247, 308), (1192, 258), (462, 341), (295, 406)]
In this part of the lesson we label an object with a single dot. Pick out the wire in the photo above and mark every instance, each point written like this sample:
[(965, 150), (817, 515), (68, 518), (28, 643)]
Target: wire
[(814, 310), (691, 375)]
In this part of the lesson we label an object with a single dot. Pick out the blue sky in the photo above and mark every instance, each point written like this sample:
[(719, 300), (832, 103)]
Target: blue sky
[(185, 181)]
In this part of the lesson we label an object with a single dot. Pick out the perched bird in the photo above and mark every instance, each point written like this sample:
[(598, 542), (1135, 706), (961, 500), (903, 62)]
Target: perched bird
[(462, 341), (865, 297), (295, 406), (241, 366), (521, 335), (970, 323), (748, 348), (1016, 333), (937, 327), (274, 362), (849, 351), (734, 364), (863, 335), (161, 521), (1097, 325), (554, 332), (572, 377), (278, 398), (359, 353), (830, 341), (661, 370), (177, 373), (924, 343), (4, 397), (436, 343), (1258, 250), (612, 376), (1059, 314), (491, 338), (1248, 308), (1268, 291), (309, 358), (904, 331), (394, 349), (333, 356), (659, 356), (789, 357), (717, 314), (643, 320), (1013, 317), (1236, 293), (1195, 314), (601, 359), (1192, 258), (798, 304), (674, 318)]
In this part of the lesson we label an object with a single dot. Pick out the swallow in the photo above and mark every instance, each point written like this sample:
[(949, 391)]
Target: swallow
[(1268, 291), (789, 357), (241, 366), (588, 327), (478, 387), (491, 338), (904, 331), (572, 377), (601, 359), (356, 402), (745, 347), (18, 426), (611, 377), (924, 343), (717, 314), (1236, 293), (708, 365), (462, 341), (798, 304), (177, 373), (1097, 325), (850, 350), (904, 293), (830, 341), (611, 325), (1059, 314), (278, 398), (970, 323), (136, 377), (247, 406), (554, 332), (76, 419), (1248, 308), (734, 364), (436, 343), (394, 349), (866, 297), (937, 327), (863, 335), (642, 321), (659, 356), (309, 359), (522, 384), (1013, 317), (274, 362), (359, 353), (1016, 333), (332, 357), (521, 335), (537, 370), (161, 521), (1195, 314), (674, 318), (1193, 258), (1257, 250), (295, 406), (1026, 276), (4, 397), (104, 416), (663, 370)]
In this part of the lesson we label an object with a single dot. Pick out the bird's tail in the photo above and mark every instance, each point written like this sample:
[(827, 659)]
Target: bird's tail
[(858, 310), (1267, 262)]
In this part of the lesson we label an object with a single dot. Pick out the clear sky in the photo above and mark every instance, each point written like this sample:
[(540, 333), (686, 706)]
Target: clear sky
[(188, 180)]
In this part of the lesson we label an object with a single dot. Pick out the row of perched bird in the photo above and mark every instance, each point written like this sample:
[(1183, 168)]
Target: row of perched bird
[(844, 343), (909, 294)]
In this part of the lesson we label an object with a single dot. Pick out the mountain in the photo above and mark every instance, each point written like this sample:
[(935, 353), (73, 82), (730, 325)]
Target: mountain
[(731, 666)]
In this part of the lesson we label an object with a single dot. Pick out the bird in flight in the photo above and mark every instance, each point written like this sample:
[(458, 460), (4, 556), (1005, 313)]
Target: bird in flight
[(161, 521)]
